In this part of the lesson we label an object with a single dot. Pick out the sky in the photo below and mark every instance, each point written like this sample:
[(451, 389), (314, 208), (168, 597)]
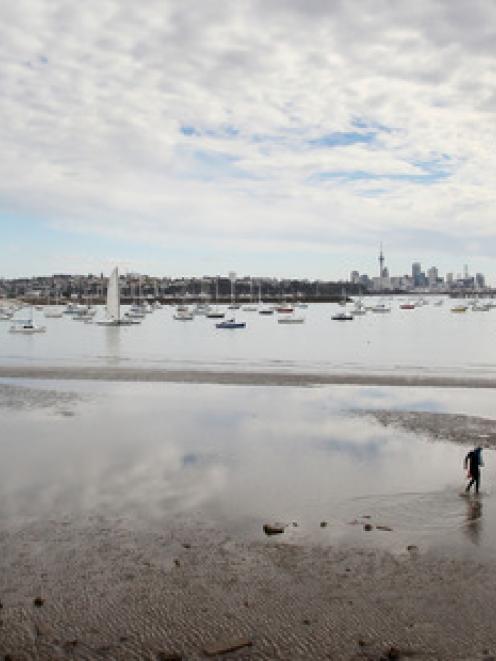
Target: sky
[(285, 138)]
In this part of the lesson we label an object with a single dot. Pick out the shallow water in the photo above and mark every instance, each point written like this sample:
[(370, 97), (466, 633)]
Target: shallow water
[(427, 340), (155, 454)]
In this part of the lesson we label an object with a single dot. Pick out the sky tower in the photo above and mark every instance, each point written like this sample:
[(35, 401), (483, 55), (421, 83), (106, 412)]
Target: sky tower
[(381, 266)]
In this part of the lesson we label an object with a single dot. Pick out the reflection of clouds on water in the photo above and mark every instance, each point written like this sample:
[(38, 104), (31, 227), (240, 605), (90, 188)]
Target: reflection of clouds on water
[(228, 452)]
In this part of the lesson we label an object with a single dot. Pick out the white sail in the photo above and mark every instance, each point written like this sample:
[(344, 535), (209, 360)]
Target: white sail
[(113, 297)]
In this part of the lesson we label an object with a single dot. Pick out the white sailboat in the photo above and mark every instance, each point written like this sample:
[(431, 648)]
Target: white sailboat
[(26, 326), (113, 308)]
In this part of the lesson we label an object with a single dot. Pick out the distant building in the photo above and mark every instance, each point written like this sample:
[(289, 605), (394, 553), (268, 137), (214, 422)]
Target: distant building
[(433, 277), (355, 277), (416, 272), (480, 281)]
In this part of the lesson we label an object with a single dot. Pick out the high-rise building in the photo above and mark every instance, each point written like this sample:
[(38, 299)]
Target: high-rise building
[(480, 280), (416, 273), (354, 277), (432, 276)]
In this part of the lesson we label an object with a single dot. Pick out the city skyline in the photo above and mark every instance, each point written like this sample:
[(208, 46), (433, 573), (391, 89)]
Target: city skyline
[(277, 139)]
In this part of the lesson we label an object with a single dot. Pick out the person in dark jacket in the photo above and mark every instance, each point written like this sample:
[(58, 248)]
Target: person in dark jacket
[(473, 461)]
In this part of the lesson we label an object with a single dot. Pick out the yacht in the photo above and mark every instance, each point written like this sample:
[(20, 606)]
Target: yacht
[(231, 323), (183, 314), (291, 319), (113, 308), (26, 326)]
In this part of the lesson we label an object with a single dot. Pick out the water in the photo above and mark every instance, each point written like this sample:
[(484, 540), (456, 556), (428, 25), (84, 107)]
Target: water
[(425, 340), (151, 454)]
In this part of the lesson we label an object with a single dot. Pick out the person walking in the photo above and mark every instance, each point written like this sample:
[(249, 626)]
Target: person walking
[(473, 461)]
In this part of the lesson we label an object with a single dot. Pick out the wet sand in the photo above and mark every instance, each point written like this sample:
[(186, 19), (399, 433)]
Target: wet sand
[(456, 428), (255, 378), (108, 592), (100, 588)]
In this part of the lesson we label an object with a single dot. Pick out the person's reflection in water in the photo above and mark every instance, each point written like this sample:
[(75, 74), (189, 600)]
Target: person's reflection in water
[(473, 522)]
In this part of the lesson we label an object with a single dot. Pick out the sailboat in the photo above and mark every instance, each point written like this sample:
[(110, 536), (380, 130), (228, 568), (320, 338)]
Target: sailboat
[(234, 305), (215, 312), (26, 326), (344, 315), (113, 308), (250, 307), (262, 308)]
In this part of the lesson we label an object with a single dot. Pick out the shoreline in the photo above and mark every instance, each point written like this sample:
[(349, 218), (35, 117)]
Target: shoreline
[(177, 593), (230, 377)]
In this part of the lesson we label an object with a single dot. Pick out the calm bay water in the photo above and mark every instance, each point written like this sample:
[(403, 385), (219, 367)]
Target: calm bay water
[(236, 457), (428, 339)]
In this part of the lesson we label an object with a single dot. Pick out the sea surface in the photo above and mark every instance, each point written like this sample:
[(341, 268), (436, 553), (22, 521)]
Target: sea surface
[(236, 457), (426, 340)]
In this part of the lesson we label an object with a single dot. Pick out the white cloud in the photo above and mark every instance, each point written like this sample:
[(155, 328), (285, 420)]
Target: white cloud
[(93, 97)]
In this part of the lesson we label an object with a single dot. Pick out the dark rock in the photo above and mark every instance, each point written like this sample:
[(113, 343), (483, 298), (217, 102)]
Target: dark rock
[(306, 621), (169, 656), (392, 654), (323, 524), (366, 516), (295, 524), (177, 562), (387, 528), (275, 529), (38, 602), (1, 605), (412, 547), (362, 643), (368, 526), (224, 647), (186, 546)]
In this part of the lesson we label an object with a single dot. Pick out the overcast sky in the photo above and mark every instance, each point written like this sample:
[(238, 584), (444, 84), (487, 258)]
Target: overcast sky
[(271, 137)]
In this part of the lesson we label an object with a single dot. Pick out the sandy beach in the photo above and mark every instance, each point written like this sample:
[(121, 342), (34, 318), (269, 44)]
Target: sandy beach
[(104, 592), (101, 587), (254, 378)]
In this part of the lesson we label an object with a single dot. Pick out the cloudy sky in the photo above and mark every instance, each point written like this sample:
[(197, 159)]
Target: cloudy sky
[(271, 137)]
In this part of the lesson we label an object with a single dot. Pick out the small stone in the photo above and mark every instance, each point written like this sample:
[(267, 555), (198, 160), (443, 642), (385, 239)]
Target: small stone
[(295, 524), (362, 643), (275, 529), (412, 547), (323, 524), (224, 647), (368, 526), (169, 656), (1, 605), (306, 621), (186, 546), (392, 654), (366, 516), (38, 602), (387, 528), (177, 562)]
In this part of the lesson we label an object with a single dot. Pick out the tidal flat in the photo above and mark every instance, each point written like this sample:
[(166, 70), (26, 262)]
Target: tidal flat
[(131, 519)]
